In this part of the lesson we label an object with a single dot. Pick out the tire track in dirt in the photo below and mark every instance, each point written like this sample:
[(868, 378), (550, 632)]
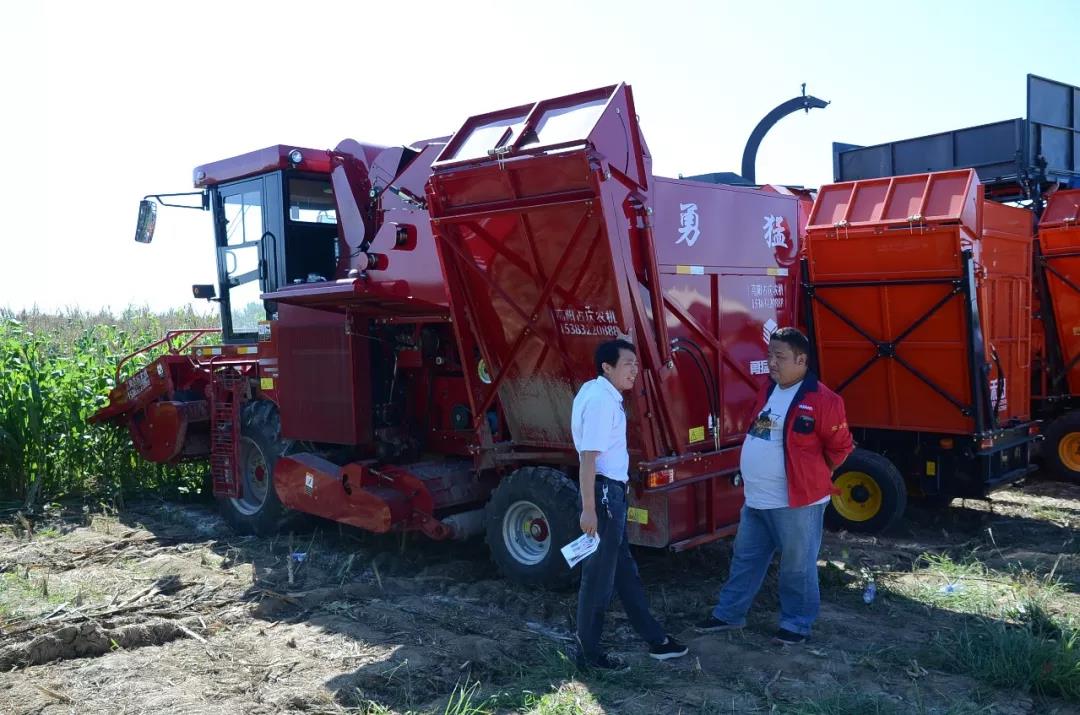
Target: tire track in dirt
[(399, 623), (86, 640)]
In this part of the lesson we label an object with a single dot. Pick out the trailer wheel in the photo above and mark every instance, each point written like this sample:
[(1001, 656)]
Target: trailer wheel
[(872, 494), (532, 514), (258, 510), (1062, 448)]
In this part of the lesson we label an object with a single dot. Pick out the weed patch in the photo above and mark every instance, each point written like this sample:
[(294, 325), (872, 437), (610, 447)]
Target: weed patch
[(1040, 656)]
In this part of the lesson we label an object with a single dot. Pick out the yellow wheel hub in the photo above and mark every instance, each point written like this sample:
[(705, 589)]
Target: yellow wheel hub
[(1069, 451), (860, 496)]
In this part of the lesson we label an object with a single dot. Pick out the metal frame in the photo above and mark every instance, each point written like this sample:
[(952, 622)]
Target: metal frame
[(1036, 124), (204, 200), (226, 401), (195, 333), (658, 353), (966, 469), (531, 317), (977, 369), (1059, 371), (1020, 170)]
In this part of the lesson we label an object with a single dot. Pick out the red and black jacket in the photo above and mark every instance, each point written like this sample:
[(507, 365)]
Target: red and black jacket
[(816, 436)]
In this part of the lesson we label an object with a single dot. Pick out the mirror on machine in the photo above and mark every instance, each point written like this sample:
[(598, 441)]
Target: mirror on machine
[(204, 290), (144, 232)]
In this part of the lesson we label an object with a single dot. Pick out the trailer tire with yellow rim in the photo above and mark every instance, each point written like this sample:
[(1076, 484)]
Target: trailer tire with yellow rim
[(1061, 451), (872, 495)]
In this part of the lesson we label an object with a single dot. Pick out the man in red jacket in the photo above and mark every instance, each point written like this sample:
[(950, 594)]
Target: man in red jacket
[(799, 436)]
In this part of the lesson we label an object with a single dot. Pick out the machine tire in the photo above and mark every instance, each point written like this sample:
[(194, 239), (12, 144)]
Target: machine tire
[(260, 445), (873, 494), (550, 501), (1061, 451)]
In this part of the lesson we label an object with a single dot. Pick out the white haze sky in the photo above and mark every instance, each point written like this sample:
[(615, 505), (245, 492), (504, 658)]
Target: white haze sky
[(104, 102)]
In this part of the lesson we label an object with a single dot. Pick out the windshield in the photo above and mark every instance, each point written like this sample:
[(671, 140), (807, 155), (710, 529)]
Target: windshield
[(311, 201)]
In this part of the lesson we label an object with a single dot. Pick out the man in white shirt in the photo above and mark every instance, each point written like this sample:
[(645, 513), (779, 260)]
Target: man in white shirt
[(598, 424)]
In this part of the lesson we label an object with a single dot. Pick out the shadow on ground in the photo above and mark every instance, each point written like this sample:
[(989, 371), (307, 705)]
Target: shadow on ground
[(360, 622)]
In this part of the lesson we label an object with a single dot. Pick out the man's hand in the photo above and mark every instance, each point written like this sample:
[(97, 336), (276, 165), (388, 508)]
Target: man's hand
[(587, 484), (588, 521)]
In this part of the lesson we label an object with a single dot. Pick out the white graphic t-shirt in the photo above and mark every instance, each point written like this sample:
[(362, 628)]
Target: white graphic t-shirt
[(762, 460)]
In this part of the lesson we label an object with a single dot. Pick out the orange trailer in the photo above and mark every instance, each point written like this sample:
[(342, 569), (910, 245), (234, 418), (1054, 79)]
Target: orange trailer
[(918, 296), (1056, 349)]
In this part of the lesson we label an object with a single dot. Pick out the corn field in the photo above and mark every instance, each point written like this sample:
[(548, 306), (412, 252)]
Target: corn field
[(57, 370)]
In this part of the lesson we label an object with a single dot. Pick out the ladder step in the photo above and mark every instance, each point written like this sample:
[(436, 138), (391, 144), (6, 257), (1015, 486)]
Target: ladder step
[(225, 403)]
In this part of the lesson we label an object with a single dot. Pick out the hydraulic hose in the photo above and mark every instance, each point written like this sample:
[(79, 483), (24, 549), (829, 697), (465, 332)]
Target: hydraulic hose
[(697, 355), (703, 366)]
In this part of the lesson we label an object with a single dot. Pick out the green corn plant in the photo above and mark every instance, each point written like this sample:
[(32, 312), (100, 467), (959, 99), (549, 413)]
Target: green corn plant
[(55, 371)]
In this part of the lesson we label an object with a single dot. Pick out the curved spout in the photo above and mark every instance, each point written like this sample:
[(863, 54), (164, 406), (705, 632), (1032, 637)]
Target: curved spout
[(749, 158)]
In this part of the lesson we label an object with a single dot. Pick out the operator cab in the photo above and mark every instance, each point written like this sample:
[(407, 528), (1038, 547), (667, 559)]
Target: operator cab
[(275, 224), (270, 231)]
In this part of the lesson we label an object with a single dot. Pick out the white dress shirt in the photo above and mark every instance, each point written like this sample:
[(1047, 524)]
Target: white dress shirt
[(598, 423)]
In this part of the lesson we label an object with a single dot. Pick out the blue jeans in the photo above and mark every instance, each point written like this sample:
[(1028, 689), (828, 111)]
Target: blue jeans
[(611, 569), (796, 533)]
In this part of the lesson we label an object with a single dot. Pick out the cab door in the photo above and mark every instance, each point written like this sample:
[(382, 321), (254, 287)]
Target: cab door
[(247, 232)]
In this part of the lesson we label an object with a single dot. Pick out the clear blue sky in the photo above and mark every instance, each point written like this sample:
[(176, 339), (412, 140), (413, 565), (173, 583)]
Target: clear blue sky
[(105, 102)]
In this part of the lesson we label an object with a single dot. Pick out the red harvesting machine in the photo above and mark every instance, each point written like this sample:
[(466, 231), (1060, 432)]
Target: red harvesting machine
[(404, 330)]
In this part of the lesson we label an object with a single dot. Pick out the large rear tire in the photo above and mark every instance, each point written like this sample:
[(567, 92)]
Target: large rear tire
[(532, 514), (258, 510), (872, 495), (1061, 451)]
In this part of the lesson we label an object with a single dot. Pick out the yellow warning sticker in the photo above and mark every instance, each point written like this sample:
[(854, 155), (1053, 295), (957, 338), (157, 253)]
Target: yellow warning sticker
[(266, 383), (637, 515), (697, 434), (931, 469)]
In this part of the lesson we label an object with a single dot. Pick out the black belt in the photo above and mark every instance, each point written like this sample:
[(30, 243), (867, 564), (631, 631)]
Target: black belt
[(615, 482)]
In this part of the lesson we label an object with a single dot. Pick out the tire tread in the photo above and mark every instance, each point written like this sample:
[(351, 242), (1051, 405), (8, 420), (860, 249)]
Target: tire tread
[(533, 482)]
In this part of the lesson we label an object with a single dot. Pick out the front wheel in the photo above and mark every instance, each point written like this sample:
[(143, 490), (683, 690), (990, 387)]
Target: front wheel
[(257, 510), (872, 494), (532, 514)]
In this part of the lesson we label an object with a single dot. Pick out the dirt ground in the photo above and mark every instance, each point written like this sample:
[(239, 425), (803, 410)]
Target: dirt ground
[(161, 609)]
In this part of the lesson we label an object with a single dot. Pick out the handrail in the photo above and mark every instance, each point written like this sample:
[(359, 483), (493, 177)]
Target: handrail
[(652, 274), (195, 333)]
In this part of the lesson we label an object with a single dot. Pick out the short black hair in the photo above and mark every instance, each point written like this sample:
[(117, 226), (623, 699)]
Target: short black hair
[(609, 353), (793, 338)]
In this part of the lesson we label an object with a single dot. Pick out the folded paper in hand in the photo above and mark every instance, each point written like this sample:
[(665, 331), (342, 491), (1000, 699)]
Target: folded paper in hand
[(579, 548)]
